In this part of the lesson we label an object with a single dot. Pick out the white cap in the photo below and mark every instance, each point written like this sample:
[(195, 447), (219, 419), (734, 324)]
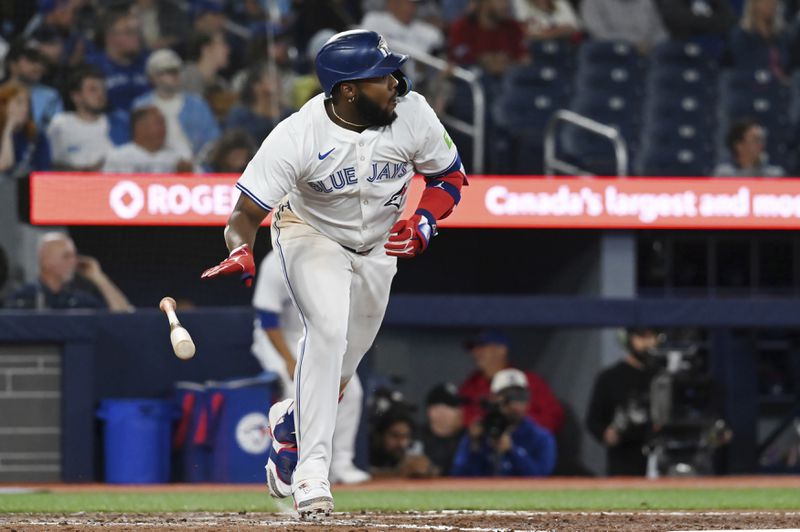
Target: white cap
[(164, 59), (508, 378)]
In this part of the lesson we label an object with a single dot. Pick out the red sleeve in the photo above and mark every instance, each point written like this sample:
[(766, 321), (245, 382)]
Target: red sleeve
[(441, 195), (472, 391), (544, 407)]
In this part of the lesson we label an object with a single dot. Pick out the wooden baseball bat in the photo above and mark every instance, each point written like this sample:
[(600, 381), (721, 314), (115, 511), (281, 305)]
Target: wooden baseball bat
[(182, 342)]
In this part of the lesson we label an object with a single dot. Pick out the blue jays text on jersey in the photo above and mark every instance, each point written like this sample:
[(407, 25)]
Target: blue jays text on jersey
[(381, 171)]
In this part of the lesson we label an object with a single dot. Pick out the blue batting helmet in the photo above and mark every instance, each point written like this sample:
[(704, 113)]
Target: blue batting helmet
[(358, 54)]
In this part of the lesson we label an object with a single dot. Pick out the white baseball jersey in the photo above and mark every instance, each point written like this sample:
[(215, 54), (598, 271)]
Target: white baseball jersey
[(349, 186)]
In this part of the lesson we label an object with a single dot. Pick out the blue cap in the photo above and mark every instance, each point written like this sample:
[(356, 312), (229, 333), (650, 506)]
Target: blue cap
[(486, 337), (358, 54)]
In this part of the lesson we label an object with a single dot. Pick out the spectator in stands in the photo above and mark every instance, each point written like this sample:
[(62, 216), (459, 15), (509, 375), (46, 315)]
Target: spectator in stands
[(705, 21), (487, 37), (147, 153), (208, 54), (163, 23), (27, 66), (122, 59), (306, 87), (81, 139), (490, 350), (506, 442), (190, 124), (231, 153), (51, 47), (618, 416), (761, 40), (547, 19), (746, 141), (259, 111), (445, 426), (59, 20), (68, 281), (23, 147), (310, 16), (393, 451), (635, 21), (208, 15), (399, 24)]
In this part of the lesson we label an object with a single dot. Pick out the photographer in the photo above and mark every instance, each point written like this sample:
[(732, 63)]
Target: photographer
[(618, 410), (506, 442)]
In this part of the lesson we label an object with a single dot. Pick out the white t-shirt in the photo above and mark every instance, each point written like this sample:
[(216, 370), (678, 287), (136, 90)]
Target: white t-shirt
[(76, 143), (271, 295), (176, 137), (131, 158), (419, 34), (537, 19), (351, 187)]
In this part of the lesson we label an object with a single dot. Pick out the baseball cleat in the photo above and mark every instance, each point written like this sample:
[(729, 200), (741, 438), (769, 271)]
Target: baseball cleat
[(283, 452), (313, 499)]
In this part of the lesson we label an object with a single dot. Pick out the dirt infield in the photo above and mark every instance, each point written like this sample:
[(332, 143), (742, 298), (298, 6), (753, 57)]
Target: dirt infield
[(445, 521), (473, 521)]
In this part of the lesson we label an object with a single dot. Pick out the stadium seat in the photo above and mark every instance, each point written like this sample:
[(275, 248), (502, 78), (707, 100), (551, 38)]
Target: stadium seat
[(684, 162), (536, 77), (682, 55), (620, 80), (521, 116), (699, 82), (557, 53), (616, 53)]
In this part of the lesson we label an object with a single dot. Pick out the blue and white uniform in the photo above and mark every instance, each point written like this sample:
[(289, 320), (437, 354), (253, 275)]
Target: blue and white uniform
[(335, 194)]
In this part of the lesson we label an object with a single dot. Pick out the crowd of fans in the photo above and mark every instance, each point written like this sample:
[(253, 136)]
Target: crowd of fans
[(90, 84)]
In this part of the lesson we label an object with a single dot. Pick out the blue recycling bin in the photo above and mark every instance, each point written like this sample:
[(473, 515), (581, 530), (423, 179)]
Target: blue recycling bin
[(238, 427), (191, 451), (137, 440)]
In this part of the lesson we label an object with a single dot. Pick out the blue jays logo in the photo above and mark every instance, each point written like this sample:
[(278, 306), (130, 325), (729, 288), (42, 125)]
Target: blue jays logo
[(397, 197)]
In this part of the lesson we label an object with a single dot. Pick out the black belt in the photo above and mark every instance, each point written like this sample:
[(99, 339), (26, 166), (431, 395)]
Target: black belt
[(351, 250)]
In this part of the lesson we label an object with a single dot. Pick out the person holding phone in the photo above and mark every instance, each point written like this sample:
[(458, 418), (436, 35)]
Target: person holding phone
[(68, 281)]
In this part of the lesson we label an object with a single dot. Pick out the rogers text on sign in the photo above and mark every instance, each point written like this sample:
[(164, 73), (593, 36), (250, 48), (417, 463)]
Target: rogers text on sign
[(127, 199)]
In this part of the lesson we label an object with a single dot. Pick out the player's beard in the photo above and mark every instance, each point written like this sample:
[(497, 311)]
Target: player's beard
[(372, 113)]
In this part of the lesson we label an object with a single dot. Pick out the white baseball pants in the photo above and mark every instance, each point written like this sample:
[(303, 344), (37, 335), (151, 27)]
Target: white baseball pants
[(341, 297)]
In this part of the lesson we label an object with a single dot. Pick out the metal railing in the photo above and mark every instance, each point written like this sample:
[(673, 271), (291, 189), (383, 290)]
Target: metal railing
[(553, 164), (477, 129)]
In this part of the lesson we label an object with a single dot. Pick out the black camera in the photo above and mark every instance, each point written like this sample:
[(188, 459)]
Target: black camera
[(494, 422)]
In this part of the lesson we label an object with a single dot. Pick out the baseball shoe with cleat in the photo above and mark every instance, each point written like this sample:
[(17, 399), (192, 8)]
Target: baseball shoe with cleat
[(313, 499), (283, 452)]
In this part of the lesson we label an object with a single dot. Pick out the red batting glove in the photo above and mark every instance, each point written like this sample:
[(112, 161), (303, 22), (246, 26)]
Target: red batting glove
[(239, 261), (409, 238)]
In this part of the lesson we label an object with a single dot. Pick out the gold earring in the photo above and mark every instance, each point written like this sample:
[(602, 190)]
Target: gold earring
[(350, 99)]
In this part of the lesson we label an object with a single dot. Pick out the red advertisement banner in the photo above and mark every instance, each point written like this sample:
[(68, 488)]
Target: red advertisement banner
[(488, 201)]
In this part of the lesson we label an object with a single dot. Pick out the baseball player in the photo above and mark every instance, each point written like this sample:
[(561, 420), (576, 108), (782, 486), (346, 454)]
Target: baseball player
[(276, 333), (335, 175)]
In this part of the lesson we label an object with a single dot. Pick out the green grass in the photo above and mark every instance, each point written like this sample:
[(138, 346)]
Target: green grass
[(606, 499)]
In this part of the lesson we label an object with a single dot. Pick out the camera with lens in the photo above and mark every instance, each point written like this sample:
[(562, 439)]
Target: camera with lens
[(686, 429), (494, 422)]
